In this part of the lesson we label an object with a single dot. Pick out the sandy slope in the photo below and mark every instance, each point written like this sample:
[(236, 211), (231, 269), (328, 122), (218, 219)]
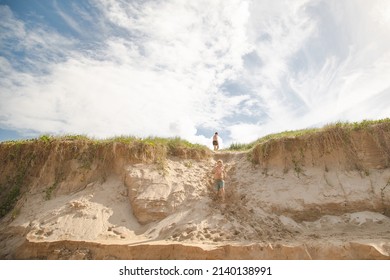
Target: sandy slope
[(277, 214)]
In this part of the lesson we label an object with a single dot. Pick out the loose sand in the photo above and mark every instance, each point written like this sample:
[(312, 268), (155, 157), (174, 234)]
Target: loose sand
[(175, 203)]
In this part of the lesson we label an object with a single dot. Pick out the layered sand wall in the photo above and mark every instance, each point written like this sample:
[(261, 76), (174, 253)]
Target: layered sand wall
[(322, 196)]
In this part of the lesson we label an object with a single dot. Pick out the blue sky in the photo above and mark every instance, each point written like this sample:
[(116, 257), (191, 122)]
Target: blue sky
[(107, 68)]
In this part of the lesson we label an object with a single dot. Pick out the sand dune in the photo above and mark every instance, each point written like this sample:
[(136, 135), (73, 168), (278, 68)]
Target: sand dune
[(169, 210)]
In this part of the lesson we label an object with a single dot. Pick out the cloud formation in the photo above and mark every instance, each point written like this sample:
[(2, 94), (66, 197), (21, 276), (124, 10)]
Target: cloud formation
[(318, 62), (188, 68)]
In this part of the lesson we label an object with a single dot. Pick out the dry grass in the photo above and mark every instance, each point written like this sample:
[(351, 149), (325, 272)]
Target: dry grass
[(343, 140), (355, 126)]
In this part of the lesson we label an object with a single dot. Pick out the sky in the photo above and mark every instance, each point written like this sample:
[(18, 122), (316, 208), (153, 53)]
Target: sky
[(173, 68)]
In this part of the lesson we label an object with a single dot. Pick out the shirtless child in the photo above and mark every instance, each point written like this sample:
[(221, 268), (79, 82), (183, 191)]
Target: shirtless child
[(216, 141), (219, 177)]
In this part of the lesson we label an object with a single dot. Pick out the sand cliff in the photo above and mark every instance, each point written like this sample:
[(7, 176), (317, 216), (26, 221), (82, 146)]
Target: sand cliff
[(324, 195)]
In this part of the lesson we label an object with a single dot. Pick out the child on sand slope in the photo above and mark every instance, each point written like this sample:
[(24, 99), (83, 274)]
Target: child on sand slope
[(219, 178)]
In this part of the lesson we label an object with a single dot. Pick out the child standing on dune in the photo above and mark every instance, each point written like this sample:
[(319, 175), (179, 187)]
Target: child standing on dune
[(219, 177), (216, 141)]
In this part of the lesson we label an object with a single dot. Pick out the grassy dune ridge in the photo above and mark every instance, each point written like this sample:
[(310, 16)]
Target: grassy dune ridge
[(346, 126), (26, 162)]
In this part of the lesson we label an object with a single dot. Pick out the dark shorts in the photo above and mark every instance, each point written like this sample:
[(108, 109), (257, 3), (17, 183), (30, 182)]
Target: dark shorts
[(219, 184), (215, 143)]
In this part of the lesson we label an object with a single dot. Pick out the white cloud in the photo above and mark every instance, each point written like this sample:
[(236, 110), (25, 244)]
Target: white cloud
[(321, 61), (70, 21), (166, 68), (160, 80), (343, 82)]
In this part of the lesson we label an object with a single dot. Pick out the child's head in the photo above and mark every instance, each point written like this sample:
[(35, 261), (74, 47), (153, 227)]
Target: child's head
[(220, 162)]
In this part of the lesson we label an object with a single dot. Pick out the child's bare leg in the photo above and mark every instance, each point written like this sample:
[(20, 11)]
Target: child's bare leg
[(222, 193)]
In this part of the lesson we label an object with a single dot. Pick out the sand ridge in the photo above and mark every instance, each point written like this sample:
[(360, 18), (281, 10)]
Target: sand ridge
[(174, 202)]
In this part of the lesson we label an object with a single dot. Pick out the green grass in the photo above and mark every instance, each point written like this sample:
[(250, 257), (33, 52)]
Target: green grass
[(143, 147), (354, 126), (285, 134), (15, 186), (177, 142), (49, 191), (153, 141)]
